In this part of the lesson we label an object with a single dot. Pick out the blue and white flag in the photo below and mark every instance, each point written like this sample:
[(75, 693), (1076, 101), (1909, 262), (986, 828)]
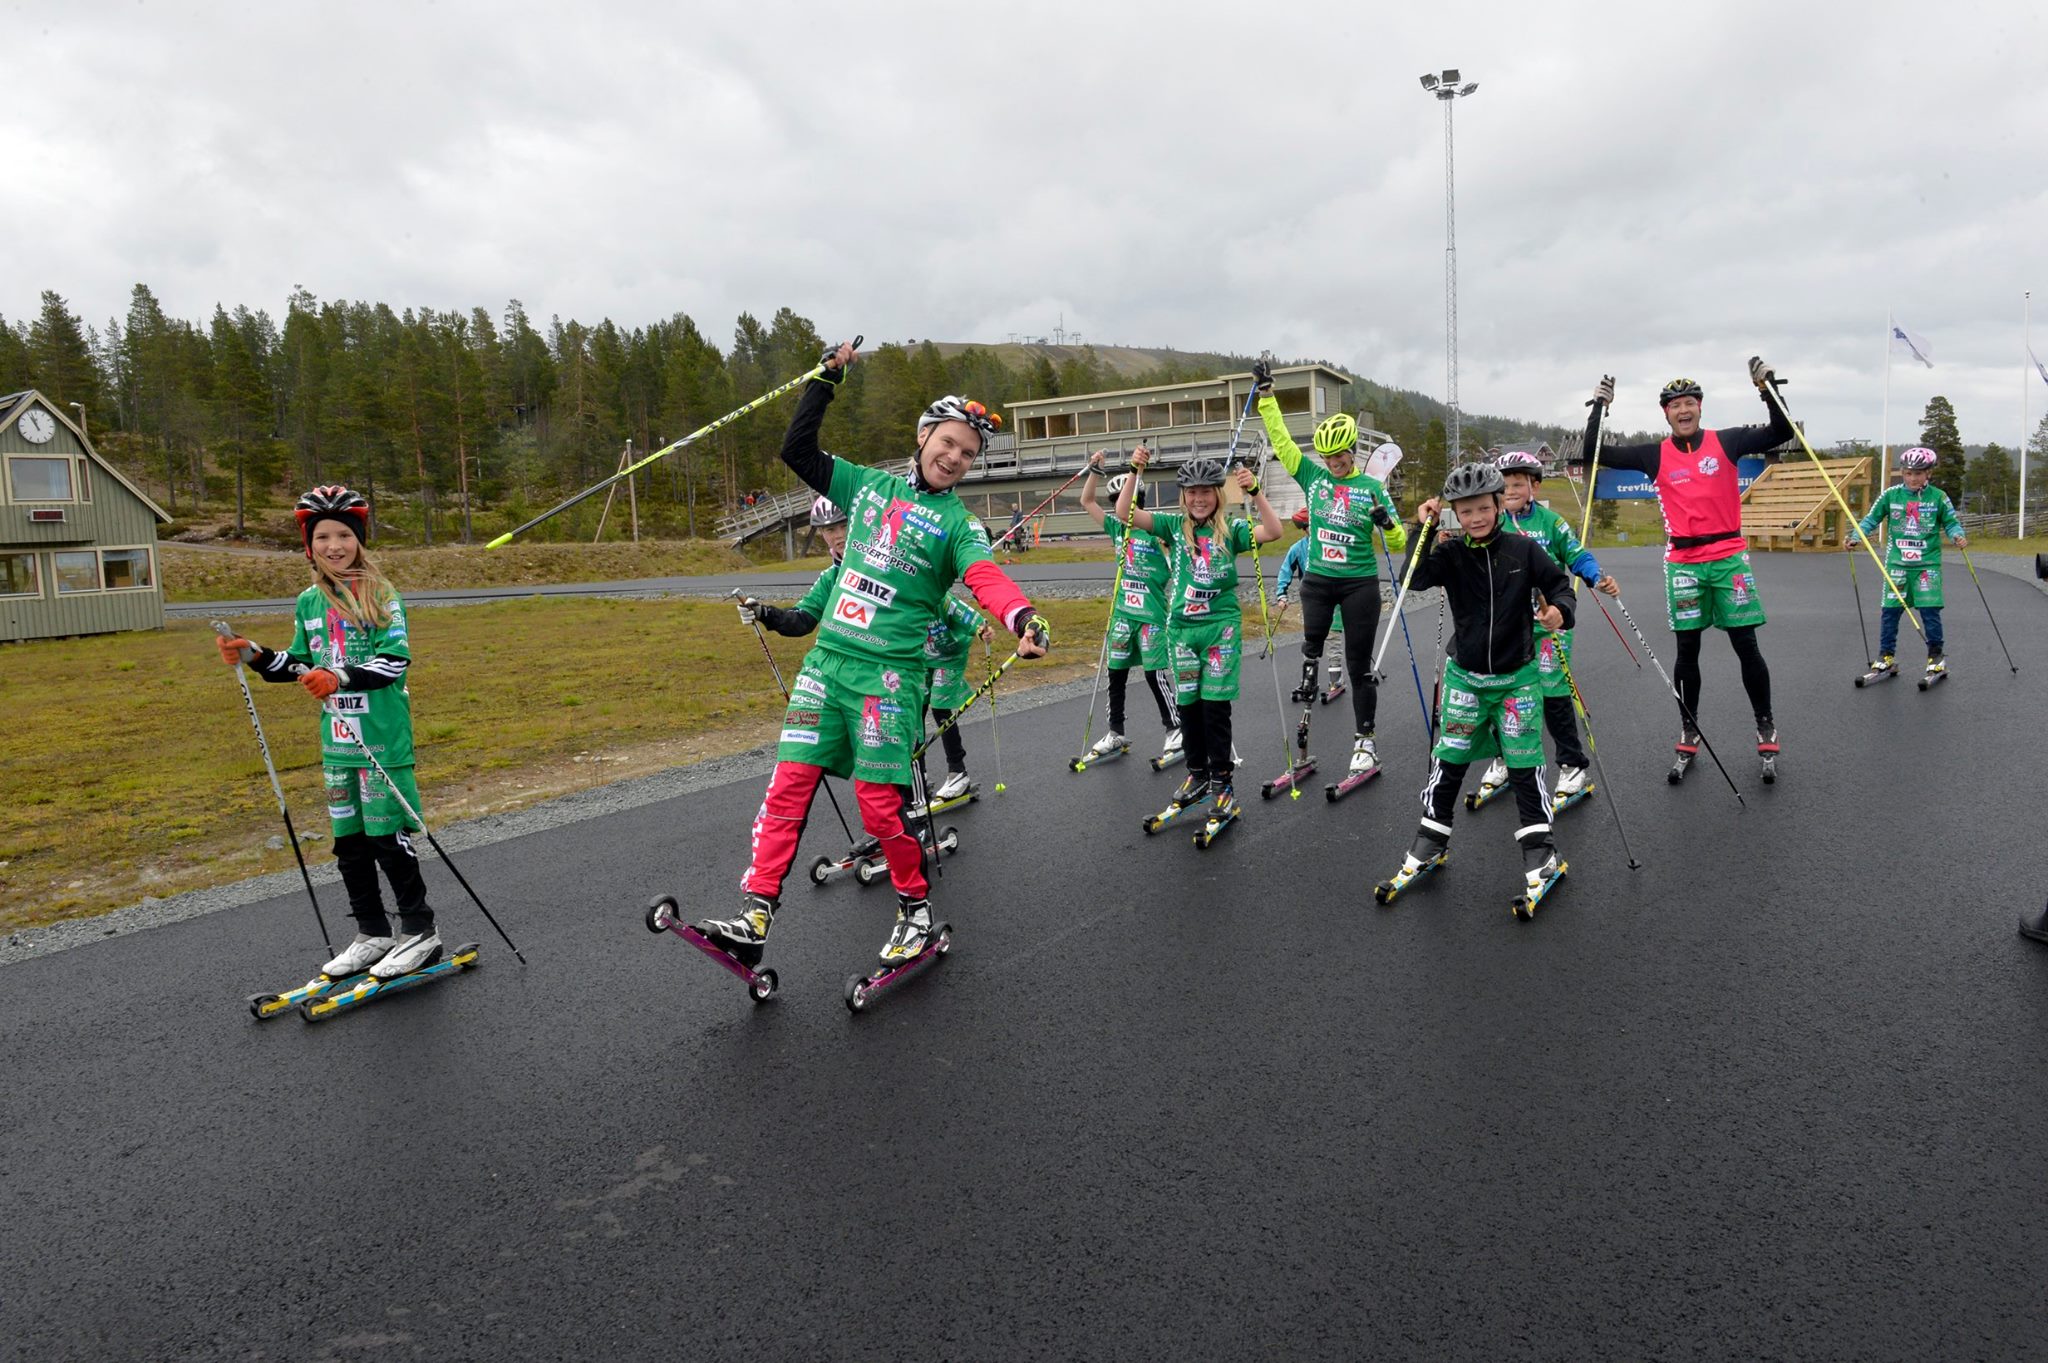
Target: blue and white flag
[(2041, 369), (1912, 343)]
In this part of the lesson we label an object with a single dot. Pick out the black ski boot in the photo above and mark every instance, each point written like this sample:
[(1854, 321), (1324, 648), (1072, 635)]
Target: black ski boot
[(745, 937)]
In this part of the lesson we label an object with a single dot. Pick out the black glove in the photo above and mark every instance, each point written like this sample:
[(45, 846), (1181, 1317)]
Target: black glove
[(1262, 376), (1382, 517), (1033, 626)]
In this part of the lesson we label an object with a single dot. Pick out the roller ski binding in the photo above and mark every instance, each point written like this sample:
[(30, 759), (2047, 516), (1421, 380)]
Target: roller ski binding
[(1537, 883), (1173, 752), (1936, 673), (353, 994), (1884, 669), (353, 962), (735, 944), (1492, 782), (1107, 748), (1573, 785), (1688, 748), (1304, 765), (956, 790), (1365, 764), (1224, 811), (1334, 692), (1767, 750), (1193, 793), (912, 943), (1413, 868)]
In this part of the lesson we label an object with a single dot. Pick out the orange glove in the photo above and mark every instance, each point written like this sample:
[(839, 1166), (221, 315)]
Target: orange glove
[(236, 650), (320, 683)]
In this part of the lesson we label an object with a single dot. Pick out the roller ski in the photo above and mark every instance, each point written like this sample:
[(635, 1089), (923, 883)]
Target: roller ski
[(1334, 691), (1492, 782), (1537, 883), (1413, 868), (1884, 669), (1688, 748), (912, 942), (1573, 785), (1936, 673), (1303, 768), (736, 944), (351, 964), (956, 790), (1173, 752), (369, 986), (1107, 748), (1193, 794), (1223, 811), (1767, 750), (825, 870), (1365, 764)]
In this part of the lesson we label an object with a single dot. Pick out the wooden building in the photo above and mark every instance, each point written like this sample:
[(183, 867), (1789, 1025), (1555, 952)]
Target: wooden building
[(77, 540)]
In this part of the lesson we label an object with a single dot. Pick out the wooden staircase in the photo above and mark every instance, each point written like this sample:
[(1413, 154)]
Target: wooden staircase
[(1789, 507)]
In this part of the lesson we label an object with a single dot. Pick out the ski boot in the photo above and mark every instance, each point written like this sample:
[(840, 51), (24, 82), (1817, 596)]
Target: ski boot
[(1107, 748), (954, 791), (1538, 880), (1491, 783), (744, 937), (1223, 812), (415, 951), (1306, 692), (1573, 785), (1767, 748), (1883, 669), (1427, 855), (1937, 670), (1365, 764), (1171, 752), (1688, 747), (2035, 927), (1193, 791), (364, 988), (912, 942), (1333, 690), (912, 931)]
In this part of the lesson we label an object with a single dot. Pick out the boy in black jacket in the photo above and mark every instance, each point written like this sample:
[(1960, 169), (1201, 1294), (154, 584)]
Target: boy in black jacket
[(1492, 700)]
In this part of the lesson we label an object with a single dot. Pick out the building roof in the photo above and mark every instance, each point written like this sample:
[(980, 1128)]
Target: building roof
[(1336, 374), (14, 404)]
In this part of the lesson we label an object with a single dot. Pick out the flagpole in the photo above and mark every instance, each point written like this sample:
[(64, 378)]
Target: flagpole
[(2026, 380), (1885, 426)]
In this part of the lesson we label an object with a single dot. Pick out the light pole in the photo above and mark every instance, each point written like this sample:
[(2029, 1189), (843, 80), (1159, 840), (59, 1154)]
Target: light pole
[(1445, 87)]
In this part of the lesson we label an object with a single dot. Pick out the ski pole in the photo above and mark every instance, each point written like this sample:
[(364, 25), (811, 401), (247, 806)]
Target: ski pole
[(347, 724), (1987, 608), (1278, 616), (1407, 576), (1122, 545), (995, 726), (1428, 719), (1594, 592), (1265, 619), (668, 449), (221, 628), (1436, 679), (1684, 710), (1037, 626), (997, 542), (776, 668), (1770, 387), (1862, 625), (1593, 748), (1593, 475)]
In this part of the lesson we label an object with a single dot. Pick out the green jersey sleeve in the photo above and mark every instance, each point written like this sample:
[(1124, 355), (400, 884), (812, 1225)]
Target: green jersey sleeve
[(813, 602), (1284, 448)]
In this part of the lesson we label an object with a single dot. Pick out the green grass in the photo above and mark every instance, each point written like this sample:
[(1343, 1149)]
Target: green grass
[(132, 769), (199, 575)]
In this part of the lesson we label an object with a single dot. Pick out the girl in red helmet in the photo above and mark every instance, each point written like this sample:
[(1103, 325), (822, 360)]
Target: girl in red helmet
[(349, 651)]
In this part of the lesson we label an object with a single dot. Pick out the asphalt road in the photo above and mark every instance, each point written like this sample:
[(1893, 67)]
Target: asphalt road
[(1779, 1094)]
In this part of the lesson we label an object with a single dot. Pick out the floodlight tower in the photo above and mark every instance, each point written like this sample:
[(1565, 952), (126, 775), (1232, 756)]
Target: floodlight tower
[(1447, 89)]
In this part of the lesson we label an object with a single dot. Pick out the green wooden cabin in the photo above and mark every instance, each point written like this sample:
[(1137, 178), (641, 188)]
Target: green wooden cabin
[(77, 540)]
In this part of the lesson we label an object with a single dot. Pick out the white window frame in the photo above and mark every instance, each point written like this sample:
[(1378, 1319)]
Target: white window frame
[(70, 476), (149, 556), (57, 574), (35, 564)]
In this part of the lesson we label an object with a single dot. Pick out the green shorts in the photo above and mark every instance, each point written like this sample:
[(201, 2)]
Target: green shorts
[(1919, 582), (1486, 714), (1719, 594), (949, 684), (1136, 640), (854, 717), (1553, 656), (1205, 660), (359, 801)]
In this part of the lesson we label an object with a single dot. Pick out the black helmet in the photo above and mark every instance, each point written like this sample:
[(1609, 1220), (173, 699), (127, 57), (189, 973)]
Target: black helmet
[(1202, 472), (1676, 389), (332, 502), (1472, 480)]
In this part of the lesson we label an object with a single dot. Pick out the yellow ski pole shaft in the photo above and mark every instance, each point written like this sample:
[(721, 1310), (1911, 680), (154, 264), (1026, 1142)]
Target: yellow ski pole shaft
[(1035, 623), (665, 450), (1771, 394), (1593, 474)]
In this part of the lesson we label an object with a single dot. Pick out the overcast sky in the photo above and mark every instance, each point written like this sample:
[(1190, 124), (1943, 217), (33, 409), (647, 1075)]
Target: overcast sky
[(1643, 190)]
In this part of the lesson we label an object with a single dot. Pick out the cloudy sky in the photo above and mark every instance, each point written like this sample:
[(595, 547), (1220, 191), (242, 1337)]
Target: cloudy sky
[(1645, 190)]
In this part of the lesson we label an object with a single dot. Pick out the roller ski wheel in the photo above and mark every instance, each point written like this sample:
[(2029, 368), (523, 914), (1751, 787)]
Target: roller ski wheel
[(1879, 674), (1337, 790), (760, 983), (364, 988), (1767, 754), (1332, 694), (821, 870), (263, 1007), (1935, 675), (1560, 803), (1166, 759), (1183, 800), (1096, 759), (1385, 892), (1291, 779), (862, 989), (1217, 820), (1525, 904), (1476, 800)]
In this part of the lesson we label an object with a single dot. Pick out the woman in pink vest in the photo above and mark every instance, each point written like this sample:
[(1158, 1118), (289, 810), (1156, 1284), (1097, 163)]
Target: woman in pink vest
[(1708, 580)]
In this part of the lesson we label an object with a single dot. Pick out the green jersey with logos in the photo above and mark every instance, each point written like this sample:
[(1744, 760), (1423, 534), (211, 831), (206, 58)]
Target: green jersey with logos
[(948, 639), (1914, 523), (813, 602), (1339, 509), (1141, 593), (904, 549), (1203, 585), (323, 637)]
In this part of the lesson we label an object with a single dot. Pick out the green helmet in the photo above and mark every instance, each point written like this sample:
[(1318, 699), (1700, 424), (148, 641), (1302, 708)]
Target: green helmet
[(1676, 389), (1336, 434)]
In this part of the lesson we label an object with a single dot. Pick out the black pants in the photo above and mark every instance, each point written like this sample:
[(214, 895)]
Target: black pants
[(1119, 681), (1440, 805), (1358, 598), (1205, 733), (955, 747), (1756, 676), (359, 855), (1564, 730)]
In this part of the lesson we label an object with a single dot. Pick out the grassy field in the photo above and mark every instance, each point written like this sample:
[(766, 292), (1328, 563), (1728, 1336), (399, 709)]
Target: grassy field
[(132, 769), (201, 575)]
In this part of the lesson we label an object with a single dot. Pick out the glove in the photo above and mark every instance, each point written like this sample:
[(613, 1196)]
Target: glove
[(1759, 372), (1382, 517), (1603, 392), (1036, 628), (1853, 538), (750, 611), (320, 682), (236, 650), (1262, 376)]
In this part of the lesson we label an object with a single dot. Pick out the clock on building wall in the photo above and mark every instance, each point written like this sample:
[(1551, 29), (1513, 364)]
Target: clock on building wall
[(35, 426)]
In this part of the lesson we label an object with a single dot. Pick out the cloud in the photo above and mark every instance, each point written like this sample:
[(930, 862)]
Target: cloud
[(1638, 193)]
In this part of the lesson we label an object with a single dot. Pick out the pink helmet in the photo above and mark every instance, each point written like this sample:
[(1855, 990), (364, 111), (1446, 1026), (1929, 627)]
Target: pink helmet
[(1919, 457)]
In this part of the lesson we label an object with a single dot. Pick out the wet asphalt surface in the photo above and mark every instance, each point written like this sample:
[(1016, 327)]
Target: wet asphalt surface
[(1782, 1093)]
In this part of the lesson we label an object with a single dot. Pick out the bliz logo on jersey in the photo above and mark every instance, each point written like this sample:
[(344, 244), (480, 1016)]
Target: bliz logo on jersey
[(1329, 536), (854, 613), (348, 703), (867, 589)]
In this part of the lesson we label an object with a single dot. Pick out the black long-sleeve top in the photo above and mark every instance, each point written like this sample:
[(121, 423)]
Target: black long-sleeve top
[(1488, 583)]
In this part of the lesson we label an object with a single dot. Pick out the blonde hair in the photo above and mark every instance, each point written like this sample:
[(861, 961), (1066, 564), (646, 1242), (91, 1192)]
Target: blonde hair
[(1218, 520), (363, 594)]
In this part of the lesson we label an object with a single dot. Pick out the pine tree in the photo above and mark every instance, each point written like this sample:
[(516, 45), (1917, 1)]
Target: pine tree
[(1938, 433), (60, 356), (241, 410)]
